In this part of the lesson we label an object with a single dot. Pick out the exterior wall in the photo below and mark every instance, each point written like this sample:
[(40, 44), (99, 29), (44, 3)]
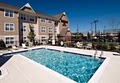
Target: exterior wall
[(28, 10), (16, 38), (13, 20), (47, 25), (68, 36), (26, 23), (37, 24), (61, 26), (57, 29)]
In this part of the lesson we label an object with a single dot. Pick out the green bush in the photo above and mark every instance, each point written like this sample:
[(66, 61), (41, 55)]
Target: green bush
[(100, 46), (104, 47), (112, 47), (9, 46), (2, 44)]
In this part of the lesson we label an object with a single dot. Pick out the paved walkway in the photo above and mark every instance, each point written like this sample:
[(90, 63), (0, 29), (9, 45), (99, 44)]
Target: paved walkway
[(22, 70)]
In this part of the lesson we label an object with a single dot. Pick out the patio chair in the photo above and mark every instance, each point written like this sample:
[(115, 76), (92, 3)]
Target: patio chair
[(79, 44), (14, 47), (89, 46), (0, 72), (24, 46), (61, 43)]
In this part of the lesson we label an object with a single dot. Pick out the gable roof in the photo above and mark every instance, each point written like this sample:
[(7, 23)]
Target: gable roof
[(28, 6), (59, 16), (18, 9), (4, 5), (45, 16)]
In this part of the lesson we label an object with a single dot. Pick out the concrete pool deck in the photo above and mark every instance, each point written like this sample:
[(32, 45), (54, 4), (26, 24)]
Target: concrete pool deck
[(20, 69)]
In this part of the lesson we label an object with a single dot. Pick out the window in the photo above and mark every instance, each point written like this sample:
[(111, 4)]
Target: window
[(9, 13), (43, 38), (9, 26), (64, 24), (23, 28), (9, 40), (23, 17), (43, 29), (50, 21), (43, 20), (24, 39), (50, 29), (32, 18)]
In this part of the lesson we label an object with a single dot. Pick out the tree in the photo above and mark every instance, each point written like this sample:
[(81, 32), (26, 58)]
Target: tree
[(2, 44), (119, 37), (31, 35), (88, 36)]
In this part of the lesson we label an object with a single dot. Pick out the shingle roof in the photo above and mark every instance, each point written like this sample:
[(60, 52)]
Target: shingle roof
[(58, 16), (4, 5), (63, 31), (45, 16)]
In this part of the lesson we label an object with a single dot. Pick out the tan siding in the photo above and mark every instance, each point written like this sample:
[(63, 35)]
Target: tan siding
[(47, 25), (28, 10), (8, 20), (61, 26)]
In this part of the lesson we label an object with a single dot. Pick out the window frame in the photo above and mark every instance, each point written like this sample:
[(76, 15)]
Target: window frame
[(24, 17), (9, 12), (9, 26), (49, 29), (49, 21), (9, 40), (24, 28), (24, 39), (41, 29), (32, 18), (43, 38), (42, 21)]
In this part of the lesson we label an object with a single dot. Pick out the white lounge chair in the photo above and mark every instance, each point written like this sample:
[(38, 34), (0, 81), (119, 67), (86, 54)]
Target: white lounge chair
[(61, 43), (89, 46), (14, 47), (79, 45), (24, 46)]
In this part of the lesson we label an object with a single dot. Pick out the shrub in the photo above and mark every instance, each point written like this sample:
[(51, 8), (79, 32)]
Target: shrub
[(2, 44), (101, 46), (112, 47), (104, 47), (9, 46)]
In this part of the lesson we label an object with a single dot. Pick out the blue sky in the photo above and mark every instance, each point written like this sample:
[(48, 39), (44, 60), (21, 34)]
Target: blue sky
[(81, 12)]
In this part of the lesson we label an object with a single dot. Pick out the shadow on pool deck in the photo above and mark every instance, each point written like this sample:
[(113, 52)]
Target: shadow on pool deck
[(4, 59)]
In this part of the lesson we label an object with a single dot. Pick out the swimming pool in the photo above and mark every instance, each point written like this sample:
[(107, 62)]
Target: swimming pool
[(74, 66)]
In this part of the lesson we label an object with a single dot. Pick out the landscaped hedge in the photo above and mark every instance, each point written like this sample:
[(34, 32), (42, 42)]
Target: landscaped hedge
[(2, 44)]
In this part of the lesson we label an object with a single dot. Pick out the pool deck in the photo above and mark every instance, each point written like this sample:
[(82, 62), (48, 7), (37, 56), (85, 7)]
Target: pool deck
[(20, 69)]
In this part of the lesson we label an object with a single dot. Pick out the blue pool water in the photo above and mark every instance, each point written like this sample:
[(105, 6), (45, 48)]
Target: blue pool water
[(76, 67)]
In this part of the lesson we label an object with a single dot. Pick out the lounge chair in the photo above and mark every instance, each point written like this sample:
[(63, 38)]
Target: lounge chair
[(79, 45), (61, 43), (0, 72), (24, 46), (89, 46), (14, 47)]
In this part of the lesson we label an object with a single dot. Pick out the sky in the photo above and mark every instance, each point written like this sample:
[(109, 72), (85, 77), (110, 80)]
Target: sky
[(79, 12)]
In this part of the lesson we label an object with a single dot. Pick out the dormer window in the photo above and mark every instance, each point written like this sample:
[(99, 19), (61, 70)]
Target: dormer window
[(9, 13), (23, 17), (50, 21), (42, 19), (32, 18), (64, 24)]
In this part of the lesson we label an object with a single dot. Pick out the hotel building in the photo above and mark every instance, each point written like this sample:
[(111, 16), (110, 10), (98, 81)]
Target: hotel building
[(15, 22)]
